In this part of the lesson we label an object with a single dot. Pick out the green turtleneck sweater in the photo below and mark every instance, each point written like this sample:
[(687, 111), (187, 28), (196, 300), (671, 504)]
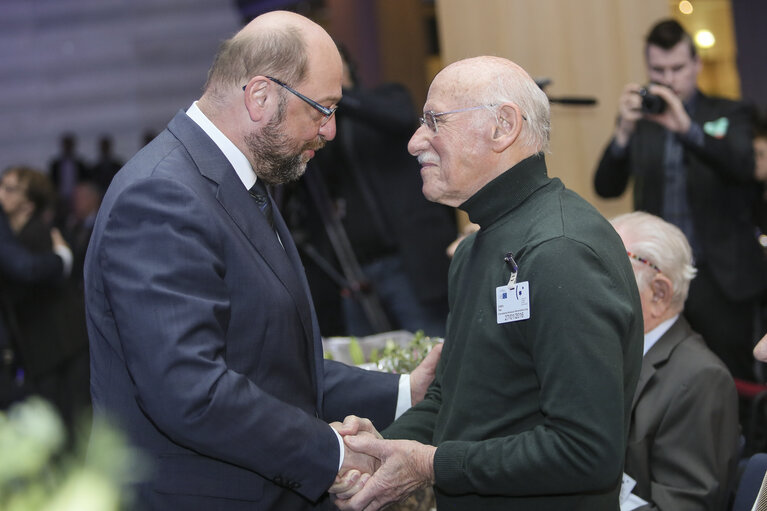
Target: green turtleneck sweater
[(533, 414)]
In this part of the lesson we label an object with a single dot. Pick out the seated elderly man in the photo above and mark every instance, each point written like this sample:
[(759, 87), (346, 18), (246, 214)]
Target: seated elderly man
[(683, 439)]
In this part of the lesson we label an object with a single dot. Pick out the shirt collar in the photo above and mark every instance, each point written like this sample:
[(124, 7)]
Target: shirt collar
[(651, 337), (238, 160)]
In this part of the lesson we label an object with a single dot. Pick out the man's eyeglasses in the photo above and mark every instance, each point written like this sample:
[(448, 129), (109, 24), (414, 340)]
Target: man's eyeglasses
[(643, 261), (429, 118), (325, 111)]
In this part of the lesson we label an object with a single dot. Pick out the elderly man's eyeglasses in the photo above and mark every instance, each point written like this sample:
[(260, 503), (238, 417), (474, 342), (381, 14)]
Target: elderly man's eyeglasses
[(429, 118), (643, 261), (325, 111)]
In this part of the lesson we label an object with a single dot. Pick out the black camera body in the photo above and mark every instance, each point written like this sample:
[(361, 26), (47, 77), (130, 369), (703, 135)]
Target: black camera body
[(652, 103)]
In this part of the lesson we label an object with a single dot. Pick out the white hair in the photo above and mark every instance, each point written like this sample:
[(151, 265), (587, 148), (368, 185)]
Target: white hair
[(664, 245), (514, 85)]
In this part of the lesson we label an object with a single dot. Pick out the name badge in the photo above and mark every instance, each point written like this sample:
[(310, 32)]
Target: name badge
[(627, 484), (512, 302)]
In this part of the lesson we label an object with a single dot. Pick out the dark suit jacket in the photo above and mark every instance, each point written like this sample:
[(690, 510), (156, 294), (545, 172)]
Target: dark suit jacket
[(683, 440), (49, 320), (204, 342), (720, 188), (18, 264)]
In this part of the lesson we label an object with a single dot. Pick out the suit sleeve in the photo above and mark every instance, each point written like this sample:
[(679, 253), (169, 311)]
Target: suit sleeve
[(613, 172), (692, 453), (354, 391), (163, 271)]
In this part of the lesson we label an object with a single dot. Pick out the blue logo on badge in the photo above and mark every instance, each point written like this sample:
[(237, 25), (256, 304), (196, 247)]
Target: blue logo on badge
[(504, 296)]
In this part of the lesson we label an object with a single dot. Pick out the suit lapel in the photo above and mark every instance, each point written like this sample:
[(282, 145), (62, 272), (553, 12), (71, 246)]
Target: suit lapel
[(659, 355), (244, 212), (309, 320)]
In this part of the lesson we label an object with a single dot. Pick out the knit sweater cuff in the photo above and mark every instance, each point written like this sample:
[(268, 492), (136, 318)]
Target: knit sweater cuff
[(449, 462)]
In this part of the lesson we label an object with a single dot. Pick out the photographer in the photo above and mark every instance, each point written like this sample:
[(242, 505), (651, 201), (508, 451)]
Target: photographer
[(691, 159)]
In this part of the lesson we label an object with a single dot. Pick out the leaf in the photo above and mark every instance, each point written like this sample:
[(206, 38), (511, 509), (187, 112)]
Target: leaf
[(355, 352)]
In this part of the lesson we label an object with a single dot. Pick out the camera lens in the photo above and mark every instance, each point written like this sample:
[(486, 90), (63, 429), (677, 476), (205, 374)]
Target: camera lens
[(651, 103)]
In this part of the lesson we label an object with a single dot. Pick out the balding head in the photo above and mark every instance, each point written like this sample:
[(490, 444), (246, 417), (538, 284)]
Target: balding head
[(495, 81), (269, 91), (482, 116), (277, 43)]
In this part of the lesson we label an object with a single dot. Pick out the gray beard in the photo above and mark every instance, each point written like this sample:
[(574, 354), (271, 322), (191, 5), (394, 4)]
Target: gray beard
[(271, 152)]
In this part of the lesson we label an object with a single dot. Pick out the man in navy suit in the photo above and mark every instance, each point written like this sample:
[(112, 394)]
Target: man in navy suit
[(204, 342)]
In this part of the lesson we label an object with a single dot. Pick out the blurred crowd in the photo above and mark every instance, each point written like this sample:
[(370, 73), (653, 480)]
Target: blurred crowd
[(49, 213)]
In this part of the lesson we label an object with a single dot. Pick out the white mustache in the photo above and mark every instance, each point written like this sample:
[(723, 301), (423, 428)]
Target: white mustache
[(424, 160)]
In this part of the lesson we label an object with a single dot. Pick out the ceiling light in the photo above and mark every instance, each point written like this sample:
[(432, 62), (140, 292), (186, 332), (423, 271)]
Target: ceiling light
[(704, 38)]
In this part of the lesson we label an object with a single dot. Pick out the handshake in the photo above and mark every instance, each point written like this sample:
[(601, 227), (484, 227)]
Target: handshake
[(376, 472)]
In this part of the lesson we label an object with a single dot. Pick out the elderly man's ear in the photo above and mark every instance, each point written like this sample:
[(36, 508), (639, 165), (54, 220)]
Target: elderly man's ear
[(508, 126), (662, 292)]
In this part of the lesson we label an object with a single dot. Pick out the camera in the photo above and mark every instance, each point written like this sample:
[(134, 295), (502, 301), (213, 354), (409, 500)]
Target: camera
[(651, 103)]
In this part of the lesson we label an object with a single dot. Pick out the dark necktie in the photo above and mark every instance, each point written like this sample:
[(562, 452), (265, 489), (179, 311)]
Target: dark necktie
[(258, 192)]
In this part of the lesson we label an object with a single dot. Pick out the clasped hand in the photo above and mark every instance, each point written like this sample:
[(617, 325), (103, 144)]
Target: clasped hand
[(375, 471)]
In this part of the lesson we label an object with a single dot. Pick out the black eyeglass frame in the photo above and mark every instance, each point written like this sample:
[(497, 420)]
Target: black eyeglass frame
[(325, 111)]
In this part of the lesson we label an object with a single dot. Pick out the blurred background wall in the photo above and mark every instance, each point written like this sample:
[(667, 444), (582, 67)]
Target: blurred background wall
[(124, 67), (93, 67)]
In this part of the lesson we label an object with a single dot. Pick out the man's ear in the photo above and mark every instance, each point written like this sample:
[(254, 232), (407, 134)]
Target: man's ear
[(662, 292), (508, 126), (259, 98)]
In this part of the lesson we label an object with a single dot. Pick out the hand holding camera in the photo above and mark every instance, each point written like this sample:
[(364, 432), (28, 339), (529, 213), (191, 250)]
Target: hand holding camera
[(660, 104), (652, 102)]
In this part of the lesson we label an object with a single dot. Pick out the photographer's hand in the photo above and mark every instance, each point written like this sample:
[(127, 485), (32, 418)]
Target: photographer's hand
[(674, 118), (629, 112)]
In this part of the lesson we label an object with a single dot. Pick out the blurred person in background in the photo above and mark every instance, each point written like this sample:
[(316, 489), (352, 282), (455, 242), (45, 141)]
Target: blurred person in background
[(47, 319), (106, 165), (66, 170), (684, 437), (86, 201), (20, 266), (691, 159)]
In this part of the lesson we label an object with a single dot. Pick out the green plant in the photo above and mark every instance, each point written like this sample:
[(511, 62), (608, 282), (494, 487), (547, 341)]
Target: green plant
[(39, 472)]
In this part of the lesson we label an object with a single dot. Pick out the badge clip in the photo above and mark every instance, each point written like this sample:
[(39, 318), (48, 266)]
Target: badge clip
[(509, 259)]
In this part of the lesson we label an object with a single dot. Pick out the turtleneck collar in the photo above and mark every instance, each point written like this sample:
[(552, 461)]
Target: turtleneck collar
[(506, 191)]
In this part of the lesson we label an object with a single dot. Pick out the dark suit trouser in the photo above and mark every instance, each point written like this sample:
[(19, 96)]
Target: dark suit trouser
[(727, 326)]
